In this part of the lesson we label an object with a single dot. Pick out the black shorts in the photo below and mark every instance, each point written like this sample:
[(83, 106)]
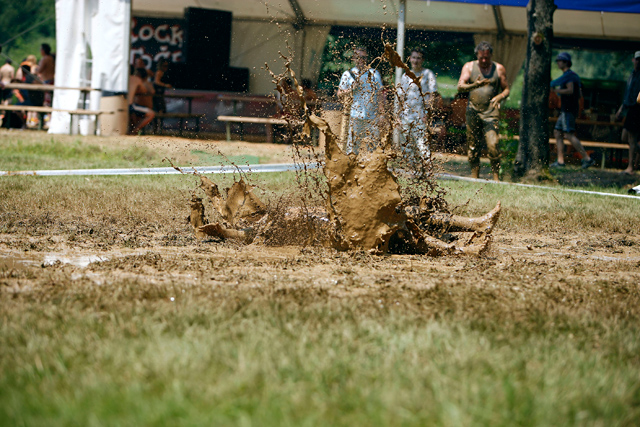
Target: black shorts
[(632, 122), (5, 94), (138, 110)]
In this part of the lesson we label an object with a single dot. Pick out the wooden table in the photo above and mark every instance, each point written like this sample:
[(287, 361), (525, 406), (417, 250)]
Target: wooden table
[(268, 122), (50, 88), (187, 96)]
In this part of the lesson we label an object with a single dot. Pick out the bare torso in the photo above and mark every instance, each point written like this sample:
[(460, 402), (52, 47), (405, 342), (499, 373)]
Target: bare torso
[(46, 68)]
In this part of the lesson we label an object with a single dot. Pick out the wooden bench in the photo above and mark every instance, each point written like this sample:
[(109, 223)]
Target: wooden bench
[(241, 120), (590, 144), (49, 110), (596, 144), (160, 117)]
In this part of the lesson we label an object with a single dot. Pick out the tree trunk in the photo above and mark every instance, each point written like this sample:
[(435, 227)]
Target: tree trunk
[(533, 151)]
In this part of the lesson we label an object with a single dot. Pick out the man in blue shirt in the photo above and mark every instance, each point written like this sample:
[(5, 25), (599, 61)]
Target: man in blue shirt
[(567, 86), (631, 110)]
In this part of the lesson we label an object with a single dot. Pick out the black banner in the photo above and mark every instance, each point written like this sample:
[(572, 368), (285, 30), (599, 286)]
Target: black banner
[(153, 39)]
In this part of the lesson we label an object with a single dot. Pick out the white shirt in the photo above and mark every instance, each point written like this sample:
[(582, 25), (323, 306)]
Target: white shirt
[(366, 92), (414, 106), (7, 73)]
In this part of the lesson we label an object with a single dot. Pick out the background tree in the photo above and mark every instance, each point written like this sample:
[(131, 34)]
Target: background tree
[(532, 158), (25, 26)]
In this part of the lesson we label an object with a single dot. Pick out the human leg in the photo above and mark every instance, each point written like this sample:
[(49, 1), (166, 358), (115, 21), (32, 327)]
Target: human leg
[(474, 142), (141, 116), (559, 135), (456, 223), (414, 144), (491, 138), (632, 140), (578, 146), (630, 134), (353, 143)]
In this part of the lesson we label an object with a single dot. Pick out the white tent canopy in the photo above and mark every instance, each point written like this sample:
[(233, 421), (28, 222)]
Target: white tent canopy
[(262, 29), (420, 14)]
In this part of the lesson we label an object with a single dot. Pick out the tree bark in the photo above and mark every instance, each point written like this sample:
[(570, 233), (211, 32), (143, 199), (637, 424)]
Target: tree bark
[(533, 150)]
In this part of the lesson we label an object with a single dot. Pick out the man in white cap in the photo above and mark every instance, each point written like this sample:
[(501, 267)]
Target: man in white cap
[(568, 87), (631, 110)]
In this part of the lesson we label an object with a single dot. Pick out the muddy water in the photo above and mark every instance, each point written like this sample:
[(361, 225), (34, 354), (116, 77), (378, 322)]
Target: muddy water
[(17, 262)]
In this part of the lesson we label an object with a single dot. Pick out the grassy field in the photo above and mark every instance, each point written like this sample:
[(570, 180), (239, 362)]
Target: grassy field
[(169, 330)]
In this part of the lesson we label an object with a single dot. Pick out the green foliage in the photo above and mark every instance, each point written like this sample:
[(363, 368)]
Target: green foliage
[(444, 54), (34, 18), (612, 65)]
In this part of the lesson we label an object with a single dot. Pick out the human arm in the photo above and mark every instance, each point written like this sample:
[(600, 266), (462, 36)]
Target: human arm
[(504, 85), (465, 76), (621, 109), (157, 79), (346, 84), (566, 91)]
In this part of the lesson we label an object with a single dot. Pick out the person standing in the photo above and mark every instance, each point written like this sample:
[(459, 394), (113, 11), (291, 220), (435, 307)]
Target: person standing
[(160, 85), (7, 74), (486, 82), (416, 103), (140, 116), (46, 72), (46, 66), (363, 85), (567, 86), (630, 109)]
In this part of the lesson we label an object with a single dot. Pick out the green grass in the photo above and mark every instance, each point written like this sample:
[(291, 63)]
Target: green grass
[(93, 359), (53, 152)]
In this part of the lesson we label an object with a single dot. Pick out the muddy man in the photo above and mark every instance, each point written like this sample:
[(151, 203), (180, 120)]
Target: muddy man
[(486, 82)]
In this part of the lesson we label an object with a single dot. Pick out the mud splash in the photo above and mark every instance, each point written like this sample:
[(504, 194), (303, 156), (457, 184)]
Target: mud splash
[(364, 211), (365, 206)]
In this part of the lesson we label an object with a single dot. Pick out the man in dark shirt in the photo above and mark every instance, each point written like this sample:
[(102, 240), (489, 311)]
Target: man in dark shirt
[(631, 110), (568, 87)]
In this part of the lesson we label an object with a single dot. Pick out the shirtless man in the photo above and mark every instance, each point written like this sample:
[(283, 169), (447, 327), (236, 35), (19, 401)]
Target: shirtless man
[(46, 66), (146, 99), (7, 74), (486, 82), (138, 113), (46, 71)]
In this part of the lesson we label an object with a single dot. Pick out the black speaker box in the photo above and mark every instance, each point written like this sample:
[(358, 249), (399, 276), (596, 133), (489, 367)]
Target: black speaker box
[(208, 36)]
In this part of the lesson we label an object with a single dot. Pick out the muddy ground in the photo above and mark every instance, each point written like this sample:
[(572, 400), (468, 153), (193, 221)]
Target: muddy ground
[(110, 246), (516, 261)]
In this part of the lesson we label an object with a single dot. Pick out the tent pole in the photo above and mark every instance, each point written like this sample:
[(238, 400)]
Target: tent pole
[(400, 49), (400, 37)]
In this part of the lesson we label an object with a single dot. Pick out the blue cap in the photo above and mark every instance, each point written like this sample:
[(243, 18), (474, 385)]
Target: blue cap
[(563, 56)]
